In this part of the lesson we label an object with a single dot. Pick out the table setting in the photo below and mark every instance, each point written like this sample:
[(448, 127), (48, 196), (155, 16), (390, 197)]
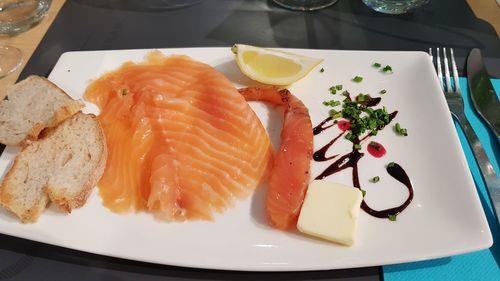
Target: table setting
[(402, 103)]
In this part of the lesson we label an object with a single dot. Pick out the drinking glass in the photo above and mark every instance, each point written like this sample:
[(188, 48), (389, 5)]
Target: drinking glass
[(305, 5), (17, 16), (394, 6), (20, 15), (10, 59)]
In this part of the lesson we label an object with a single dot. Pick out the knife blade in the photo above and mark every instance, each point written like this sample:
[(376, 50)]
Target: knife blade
[(481, 90)]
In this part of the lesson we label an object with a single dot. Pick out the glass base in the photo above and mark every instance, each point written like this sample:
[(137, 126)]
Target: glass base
[(10, 59), (140, 5), (17, 16), (305, 5), (394, 6)]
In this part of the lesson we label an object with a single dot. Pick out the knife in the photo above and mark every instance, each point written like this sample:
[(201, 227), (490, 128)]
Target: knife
[(481, 90)]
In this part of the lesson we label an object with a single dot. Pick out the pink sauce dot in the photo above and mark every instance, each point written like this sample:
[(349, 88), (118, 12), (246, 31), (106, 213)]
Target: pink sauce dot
[(376, 149), (344, 125)]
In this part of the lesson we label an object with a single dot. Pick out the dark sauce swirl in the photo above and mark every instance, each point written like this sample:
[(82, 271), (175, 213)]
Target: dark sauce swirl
[(320, 154), (373, 101), (397, 172), (351, 159), (323, 126)]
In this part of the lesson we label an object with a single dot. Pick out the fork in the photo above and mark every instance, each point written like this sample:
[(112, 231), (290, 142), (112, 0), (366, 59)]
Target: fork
[(455, 103)]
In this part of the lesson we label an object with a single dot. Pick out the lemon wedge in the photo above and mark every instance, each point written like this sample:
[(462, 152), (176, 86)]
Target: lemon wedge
[(271, 66)]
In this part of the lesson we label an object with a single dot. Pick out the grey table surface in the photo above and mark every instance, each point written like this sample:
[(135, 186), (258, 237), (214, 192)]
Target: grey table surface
[(129, 24)]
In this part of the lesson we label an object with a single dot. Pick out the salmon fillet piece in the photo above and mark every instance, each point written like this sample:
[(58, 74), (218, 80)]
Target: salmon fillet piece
[(183, 143), (290, 173)]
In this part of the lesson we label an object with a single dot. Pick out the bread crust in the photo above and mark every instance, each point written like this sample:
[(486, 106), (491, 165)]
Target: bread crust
[(30, 215), (52, 193), (61, 114)]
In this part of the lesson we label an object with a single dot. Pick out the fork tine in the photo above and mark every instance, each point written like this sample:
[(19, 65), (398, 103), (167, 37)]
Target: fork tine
[(447, 71), (439, 71), (455, 72)]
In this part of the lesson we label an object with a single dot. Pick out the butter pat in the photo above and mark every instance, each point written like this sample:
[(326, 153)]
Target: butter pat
[(330, 211)]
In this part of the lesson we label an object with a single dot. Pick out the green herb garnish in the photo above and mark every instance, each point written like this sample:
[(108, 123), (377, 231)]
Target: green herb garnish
[(387, 68), (332, 90), (331, 103), (391, 164), (362, 98), (383, 91), (401, 131), (376, 179), (338, 87), (322, 70), (375, 145), (392, 217), (377, 65), (363, 192), (335, 114), (363, 118), (357, 146), (357, 79), (350, 136)]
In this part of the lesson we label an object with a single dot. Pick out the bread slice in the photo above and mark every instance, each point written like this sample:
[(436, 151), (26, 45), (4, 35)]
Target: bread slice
[(63, 168), (32, 105)]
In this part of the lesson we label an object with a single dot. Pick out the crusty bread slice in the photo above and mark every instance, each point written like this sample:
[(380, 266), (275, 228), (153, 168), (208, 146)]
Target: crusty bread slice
[(63, 167), (32, 105)]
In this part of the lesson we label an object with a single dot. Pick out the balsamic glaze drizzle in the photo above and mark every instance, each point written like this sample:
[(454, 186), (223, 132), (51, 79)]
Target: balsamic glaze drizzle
[(321, 126), (351, 159), (373, 101), (320, 154)]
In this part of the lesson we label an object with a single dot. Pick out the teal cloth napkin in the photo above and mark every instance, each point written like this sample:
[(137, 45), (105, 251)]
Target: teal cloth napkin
[(481, 265)]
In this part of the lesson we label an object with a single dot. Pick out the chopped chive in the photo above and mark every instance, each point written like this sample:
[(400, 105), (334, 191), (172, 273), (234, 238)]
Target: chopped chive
[(345, 93), (349, 136), (363, 192), (377, 65), (391, 164), (361, 98), (338, 87), (332, 90), (357, 146), (357, 79), (331, 103), (387, 68), (335, 114), (401, 131), (383, 91), (376, 179), (375, 145), (322, 70), (392, 217)]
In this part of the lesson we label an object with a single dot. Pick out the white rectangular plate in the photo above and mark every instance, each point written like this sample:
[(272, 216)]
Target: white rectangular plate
[(445, 217)]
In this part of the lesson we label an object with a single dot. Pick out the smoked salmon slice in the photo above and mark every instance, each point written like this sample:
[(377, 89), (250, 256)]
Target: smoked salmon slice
[(290, 173), (183, 143)]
